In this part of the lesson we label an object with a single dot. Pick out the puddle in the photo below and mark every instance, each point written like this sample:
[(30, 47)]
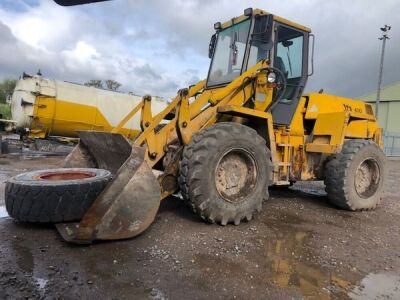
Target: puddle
[(292, 264), (3, 212), (156, 294), (41, 283), (23, 256), (378, 286), (4, 177)]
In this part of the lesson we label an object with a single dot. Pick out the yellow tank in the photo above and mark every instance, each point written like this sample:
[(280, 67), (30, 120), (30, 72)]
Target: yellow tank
[(44, 107)]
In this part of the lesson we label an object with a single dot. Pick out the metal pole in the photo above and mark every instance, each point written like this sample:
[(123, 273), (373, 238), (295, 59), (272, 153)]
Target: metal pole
[(384, 37)]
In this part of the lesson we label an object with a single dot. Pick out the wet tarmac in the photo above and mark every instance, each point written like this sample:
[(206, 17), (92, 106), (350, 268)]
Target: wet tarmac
[(299, 247)]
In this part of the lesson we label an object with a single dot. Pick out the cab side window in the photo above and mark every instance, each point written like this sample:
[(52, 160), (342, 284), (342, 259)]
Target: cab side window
[(289, 58)]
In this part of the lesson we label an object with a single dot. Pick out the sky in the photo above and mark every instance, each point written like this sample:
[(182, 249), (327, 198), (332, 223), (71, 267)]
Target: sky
[(158, 46)]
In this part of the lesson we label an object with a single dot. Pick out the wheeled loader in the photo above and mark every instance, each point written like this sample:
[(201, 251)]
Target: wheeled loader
[(221, 142)]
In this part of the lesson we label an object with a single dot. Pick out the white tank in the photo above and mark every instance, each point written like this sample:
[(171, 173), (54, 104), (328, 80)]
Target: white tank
[(43, 107)]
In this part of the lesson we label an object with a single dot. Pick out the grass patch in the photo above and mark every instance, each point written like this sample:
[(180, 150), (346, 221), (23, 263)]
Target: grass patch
[(5, 111)]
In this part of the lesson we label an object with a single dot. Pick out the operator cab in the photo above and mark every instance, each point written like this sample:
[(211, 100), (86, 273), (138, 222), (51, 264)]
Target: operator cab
[(242, 42)]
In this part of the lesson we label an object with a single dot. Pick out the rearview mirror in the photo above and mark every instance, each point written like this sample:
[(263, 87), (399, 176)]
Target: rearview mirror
[(211, 46), (287, 44)]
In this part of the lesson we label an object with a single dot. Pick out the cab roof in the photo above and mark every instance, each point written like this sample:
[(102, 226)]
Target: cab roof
[(257, 11)]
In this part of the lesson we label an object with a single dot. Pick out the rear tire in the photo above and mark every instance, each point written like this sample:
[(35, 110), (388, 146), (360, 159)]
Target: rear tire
[(225, 172), (51, 196), (354, 178)]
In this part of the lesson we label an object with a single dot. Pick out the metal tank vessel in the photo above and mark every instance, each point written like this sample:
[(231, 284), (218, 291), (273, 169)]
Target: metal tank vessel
[(43, 107)]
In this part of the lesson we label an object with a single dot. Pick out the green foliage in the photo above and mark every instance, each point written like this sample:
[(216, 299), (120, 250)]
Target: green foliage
[(5, 111), (7, 87)]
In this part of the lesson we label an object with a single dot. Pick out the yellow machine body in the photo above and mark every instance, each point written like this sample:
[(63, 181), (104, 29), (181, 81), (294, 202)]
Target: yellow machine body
[(296, 153)]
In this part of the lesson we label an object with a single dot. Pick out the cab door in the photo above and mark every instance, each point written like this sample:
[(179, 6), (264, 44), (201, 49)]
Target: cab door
[(290, 57)]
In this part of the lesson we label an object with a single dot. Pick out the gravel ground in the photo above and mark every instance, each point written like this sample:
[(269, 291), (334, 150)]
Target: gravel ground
[(298, 247)]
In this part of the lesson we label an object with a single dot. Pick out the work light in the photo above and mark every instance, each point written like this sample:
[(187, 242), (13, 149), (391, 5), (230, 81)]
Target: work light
[(248, 11), (271, 77)]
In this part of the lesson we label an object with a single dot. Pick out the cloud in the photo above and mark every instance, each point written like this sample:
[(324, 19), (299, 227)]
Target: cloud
[(70, 46), (82, 54), (16, 56), (152, 46)]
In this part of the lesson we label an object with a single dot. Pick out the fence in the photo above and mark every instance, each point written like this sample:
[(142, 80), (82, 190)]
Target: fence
[(392, 143)]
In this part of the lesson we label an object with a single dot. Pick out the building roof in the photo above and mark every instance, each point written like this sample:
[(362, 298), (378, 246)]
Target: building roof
[(390, 92)]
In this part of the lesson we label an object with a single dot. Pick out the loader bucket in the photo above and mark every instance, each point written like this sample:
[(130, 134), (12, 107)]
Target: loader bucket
[(128, 204)]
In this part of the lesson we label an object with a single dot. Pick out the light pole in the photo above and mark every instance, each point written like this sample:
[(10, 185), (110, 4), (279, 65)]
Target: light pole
[(383, 38)]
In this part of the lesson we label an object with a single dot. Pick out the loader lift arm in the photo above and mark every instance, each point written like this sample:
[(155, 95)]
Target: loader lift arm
[(135, 193)]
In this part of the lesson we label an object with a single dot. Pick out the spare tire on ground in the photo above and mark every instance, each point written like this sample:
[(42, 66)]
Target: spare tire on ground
[(55, 195)]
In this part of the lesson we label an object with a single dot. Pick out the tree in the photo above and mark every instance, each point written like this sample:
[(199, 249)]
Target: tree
[(95, 83), (7, 87), (112, 85)]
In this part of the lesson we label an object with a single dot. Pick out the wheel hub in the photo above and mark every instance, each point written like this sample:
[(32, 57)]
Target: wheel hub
[(236, 175), (367, 178), (66, 175)]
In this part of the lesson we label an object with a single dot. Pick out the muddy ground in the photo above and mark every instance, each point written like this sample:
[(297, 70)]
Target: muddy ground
[(298, 247)]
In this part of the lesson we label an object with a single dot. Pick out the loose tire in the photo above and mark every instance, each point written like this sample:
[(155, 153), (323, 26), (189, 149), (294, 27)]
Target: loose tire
[(53, 196), (225, 172), (354, 178)]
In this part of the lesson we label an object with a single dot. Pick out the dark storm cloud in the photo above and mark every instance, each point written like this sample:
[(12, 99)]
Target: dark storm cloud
[(149, 45), (66, 46), (147, 72), (347, 48)]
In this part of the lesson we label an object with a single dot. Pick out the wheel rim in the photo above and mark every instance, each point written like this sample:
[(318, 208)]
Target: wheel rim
[(67, 175), (367, 178), (236, 175)]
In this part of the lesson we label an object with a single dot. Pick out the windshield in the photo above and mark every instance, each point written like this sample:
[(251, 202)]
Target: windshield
[(229, 52)]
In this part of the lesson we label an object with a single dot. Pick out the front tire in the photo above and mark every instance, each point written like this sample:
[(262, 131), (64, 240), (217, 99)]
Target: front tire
[(354, 178), (225, 172)]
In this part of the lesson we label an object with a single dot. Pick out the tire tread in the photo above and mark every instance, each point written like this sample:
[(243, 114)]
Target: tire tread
[(51, 203), (336, 174), (193, 159)]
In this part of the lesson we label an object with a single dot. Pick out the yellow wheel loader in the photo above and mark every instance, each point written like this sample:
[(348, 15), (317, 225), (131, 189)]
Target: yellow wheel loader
[(221, 142)]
